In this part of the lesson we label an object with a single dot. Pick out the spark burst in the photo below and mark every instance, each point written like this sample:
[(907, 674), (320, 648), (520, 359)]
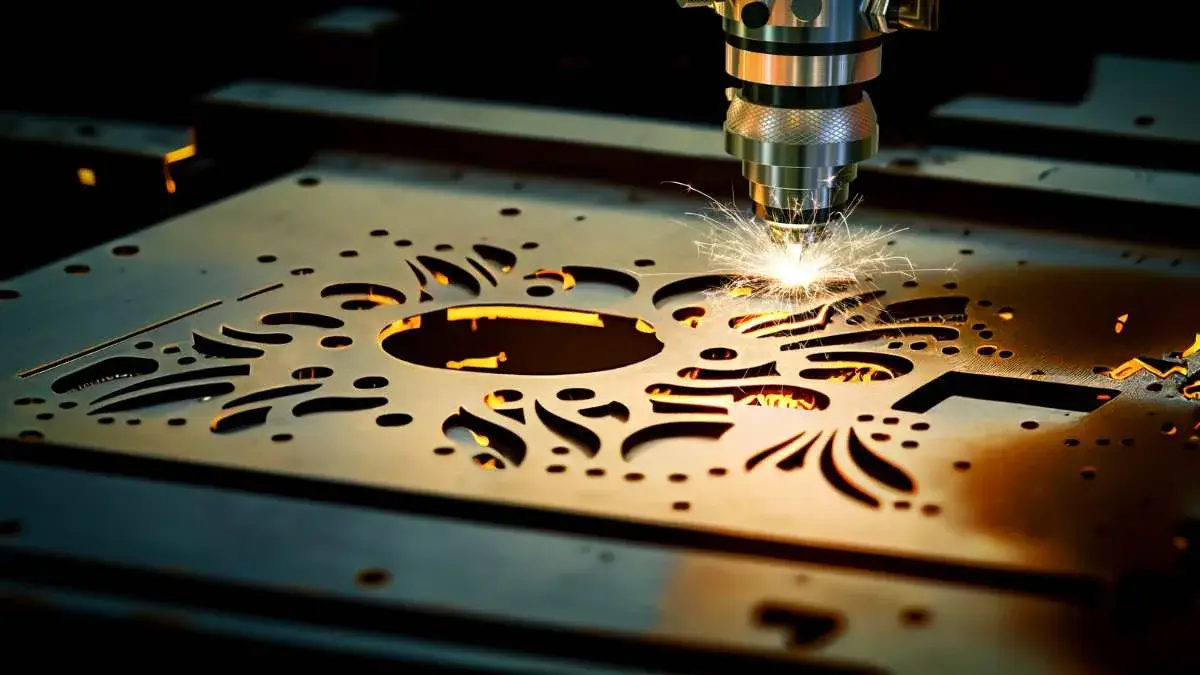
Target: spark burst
[(847, 256)]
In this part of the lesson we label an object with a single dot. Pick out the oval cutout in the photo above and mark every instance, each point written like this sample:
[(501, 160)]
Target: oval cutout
[(521, 340)]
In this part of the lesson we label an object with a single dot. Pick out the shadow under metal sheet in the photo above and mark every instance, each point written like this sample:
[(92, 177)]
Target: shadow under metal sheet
[(1022, 419)]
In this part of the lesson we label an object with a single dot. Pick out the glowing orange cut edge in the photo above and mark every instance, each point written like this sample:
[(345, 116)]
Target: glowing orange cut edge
[(567, 279), (525, 314), (492, 362), (765, 400), (1134, 366)]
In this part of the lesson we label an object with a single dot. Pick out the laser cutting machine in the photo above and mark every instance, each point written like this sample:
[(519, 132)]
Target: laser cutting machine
[(799, 118), (378, 336)]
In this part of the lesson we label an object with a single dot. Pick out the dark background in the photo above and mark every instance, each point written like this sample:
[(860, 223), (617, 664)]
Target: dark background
[(649, 57), (151, 63)]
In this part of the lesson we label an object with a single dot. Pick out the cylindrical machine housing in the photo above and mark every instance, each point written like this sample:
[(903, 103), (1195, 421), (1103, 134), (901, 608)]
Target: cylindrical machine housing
[(798, 117)]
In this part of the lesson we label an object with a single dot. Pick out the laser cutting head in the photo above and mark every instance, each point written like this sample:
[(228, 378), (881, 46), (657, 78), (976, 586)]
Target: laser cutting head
[(799, 119)]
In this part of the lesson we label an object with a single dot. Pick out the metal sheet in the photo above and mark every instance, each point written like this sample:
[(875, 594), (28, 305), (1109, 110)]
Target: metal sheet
[(1130, 96), (1003, 452), (860, 622)]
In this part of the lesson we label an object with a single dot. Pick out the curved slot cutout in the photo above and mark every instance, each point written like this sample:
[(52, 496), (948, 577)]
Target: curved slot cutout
[(112, 368)]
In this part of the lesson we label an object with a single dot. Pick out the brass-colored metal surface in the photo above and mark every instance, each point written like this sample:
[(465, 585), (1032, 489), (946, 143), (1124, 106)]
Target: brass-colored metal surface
[(559, 346)]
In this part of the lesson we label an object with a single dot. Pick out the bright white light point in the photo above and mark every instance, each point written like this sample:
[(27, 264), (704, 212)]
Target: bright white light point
[(789, 273), (793, 269)]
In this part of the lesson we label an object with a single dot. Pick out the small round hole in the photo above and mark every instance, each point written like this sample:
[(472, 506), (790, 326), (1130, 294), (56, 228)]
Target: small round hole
[(910, 444), (962, 466), (918, 346), (540, 291), (985, 350), (1144, 121), (1071, 442), (902, 505), (882, 438), (556, 468), (1004, 354), (931, 509), (920, 426), (144, 344), (302, 271), (634, 477), (949, 351), (510, 211), (401, 243), (336, 342), (309, 181), (1087, 472), (986, 334), (985, 303), (866, 418), (8, 294), (595, 473), (950, 285), (105, 420), (312, 373), (393, 420), (186, 360), (681, 506), (529, 245), (891, 420), (281, 438), (371, 382), (67, 405), (443, 451), (176, 422), (580, 218), (717, 471), (125, 250), (348, 253), (644, 262), (560, 450), (77, 269), (1029, 424), (379, 233), (267, 258), (915, 617), (443, 247), (910, 284), (677, 477), (373, 577)]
